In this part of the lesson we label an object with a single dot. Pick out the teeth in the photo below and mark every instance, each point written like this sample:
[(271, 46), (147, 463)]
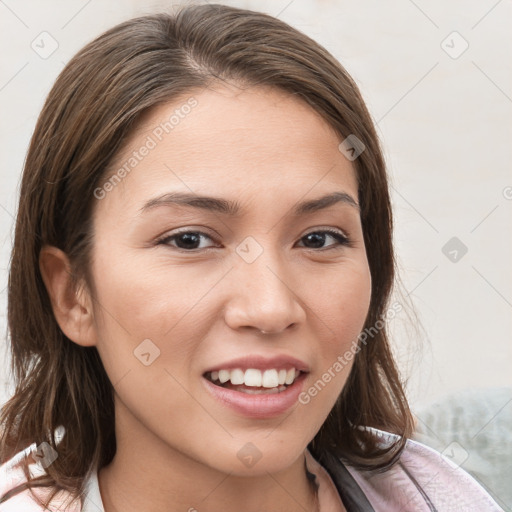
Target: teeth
[(270, 379), (237, 377), (270, 391), (224, 376), (252, 377)]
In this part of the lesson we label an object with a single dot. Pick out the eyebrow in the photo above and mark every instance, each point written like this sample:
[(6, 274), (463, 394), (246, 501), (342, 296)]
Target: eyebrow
[(233, 208)]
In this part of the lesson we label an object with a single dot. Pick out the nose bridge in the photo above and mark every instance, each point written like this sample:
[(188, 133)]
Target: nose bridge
[(262, 293)]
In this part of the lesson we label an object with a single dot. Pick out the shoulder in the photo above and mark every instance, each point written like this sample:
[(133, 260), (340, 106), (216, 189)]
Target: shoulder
[(12, 477), (423, 479)]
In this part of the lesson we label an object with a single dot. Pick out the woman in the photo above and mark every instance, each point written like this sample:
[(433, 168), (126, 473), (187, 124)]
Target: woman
[(200, 281)]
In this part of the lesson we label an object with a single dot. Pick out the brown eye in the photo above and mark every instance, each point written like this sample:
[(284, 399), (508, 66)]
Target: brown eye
[(317, 239), (186, 240)]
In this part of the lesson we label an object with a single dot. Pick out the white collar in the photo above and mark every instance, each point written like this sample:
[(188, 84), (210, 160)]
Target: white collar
[(93, 501)]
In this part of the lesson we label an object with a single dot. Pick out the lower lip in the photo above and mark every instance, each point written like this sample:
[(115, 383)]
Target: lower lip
[(261, 405)]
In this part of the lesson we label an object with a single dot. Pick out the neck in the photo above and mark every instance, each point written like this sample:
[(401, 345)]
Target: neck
[(129, 487), (147, 474)]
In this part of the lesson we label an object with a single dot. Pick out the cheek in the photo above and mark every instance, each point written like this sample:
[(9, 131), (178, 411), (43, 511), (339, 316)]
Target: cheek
[(133, 306), (344, 302), (342, 309), (146, 299)]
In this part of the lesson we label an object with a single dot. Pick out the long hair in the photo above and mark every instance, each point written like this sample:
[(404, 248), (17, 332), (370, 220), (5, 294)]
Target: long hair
[(93, 107)]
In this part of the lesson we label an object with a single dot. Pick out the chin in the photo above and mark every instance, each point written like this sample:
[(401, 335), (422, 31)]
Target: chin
[(258, 457)]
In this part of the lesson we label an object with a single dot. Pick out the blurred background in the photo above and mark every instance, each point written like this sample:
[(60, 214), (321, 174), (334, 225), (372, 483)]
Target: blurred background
[(437, 78)]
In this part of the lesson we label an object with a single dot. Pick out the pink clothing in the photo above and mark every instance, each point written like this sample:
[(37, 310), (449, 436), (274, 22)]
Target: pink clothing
[(422, 480), (442, 485)]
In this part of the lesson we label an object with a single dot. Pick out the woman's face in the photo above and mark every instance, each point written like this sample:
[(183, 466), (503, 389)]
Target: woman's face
[(212, 234)]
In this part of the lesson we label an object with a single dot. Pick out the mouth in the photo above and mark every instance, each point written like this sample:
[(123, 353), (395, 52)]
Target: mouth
[(256, 386), (253, 381)]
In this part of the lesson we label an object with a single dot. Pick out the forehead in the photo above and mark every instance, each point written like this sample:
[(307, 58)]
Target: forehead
[(226, 141)]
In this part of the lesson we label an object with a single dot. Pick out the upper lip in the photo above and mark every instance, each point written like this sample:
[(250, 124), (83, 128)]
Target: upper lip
[(260, 362)]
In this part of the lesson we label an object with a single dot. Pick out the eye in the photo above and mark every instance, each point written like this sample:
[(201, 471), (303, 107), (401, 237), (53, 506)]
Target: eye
[(187, 240), (317, 239), (191, 240)]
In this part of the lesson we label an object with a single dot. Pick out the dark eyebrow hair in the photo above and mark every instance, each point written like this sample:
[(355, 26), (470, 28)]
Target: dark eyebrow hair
[(233, 208)]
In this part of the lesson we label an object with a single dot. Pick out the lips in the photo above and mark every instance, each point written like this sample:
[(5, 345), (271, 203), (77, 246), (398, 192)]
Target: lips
[(261, 362), (257, 386)]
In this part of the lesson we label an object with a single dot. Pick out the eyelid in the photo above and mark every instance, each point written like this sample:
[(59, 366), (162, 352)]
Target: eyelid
[(327, 229)]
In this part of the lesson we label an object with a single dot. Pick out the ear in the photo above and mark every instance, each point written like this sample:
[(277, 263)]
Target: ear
[(72, 308)]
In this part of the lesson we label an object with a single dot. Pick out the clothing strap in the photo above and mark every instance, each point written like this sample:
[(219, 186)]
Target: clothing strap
[(350, 493)]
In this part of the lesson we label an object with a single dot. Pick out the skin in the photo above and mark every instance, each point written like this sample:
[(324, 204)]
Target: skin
[(177, 445)]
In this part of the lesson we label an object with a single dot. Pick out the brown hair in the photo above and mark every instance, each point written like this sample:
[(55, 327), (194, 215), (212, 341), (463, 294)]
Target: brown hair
[(91, 110)]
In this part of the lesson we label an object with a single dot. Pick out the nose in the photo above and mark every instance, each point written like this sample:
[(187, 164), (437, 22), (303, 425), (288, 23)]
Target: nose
[(263, 296)]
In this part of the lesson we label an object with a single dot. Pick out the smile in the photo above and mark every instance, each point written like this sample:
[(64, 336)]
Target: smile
[(253, 380)]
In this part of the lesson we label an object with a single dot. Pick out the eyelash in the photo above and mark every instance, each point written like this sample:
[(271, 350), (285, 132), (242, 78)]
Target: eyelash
[(342, 239)]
